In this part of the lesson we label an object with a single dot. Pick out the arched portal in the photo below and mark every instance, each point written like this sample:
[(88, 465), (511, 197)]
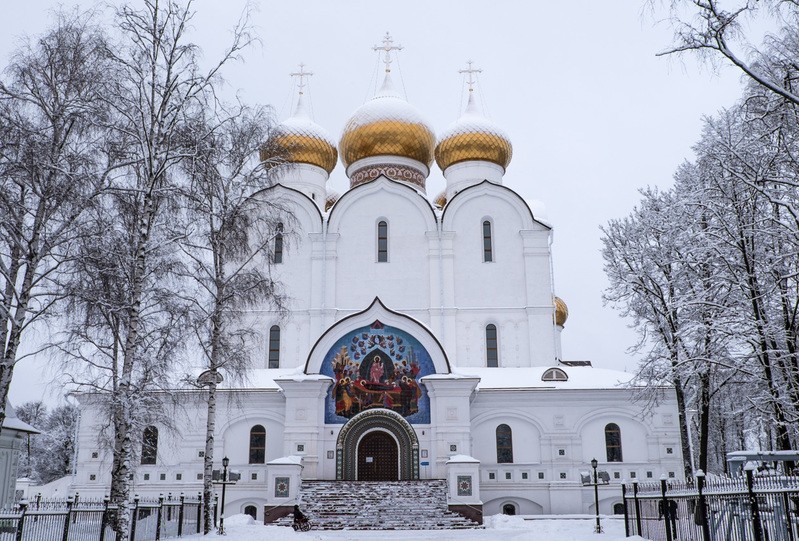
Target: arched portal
[(382, 433), (378, 457)]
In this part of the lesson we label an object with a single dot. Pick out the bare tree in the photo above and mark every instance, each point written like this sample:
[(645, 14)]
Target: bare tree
[(157, 86), (52, 132), (232, 225)]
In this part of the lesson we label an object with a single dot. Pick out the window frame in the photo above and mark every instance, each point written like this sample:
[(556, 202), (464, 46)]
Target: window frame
[(382, 240), (504, 448), (277, 252), (149, 445), (613, 449), (273, 351), (255, 448), (491, 327), (487, 226)]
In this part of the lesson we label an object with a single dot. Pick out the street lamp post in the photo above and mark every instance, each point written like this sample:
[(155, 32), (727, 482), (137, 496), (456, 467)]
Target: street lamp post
[(598, 527), (225, 463)]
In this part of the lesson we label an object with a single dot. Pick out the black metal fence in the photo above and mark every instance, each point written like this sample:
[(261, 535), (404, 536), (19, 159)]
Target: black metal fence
[(78, 519), (741, 508)]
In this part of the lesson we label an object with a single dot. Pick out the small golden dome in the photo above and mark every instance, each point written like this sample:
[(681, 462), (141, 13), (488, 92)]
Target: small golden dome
[(441, 199), (303, 141), (473, 137), (387, 125), (331, 199), (561, 312)]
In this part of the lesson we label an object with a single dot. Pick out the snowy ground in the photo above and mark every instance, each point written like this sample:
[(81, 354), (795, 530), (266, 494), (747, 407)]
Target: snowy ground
[(497, 528)]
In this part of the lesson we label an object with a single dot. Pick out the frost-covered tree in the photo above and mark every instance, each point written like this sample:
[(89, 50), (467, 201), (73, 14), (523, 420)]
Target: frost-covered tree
[(52, 166), (721, 30), (231, 226), (52, 452)]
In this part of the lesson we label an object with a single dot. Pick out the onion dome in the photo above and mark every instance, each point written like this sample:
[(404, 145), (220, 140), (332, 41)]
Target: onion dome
[(303, 140), (473, 138), (441, 200), (561, 312), (332, 197), (387, 125)]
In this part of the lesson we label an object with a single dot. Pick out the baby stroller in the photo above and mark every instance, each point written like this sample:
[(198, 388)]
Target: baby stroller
[(301, 524)]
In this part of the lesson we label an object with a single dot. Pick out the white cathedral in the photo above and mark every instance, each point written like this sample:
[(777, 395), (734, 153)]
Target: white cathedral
[(423, 342)]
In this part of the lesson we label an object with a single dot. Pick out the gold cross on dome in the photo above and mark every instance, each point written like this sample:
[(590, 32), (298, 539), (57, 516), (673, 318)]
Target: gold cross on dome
[(387, 47), (470, 71), (302, 74)]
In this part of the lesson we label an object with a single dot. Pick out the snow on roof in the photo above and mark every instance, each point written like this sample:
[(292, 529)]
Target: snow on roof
[(264, 378), (580, 377), (291, 459), (461, 458)]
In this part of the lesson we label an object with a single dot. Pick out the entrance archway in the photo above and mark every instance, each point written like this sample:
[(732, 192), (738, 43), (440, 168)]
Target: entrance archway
[(378, 457), (385, 436)]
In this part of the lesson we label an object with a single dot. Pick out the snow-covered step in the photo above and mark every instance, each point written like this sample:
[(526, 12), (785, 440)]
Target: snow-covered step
[(379, 505)]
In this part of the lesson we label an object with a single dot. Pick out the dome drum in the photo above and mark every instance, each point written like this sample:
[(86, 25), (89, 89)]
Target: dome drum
[(404, 170)]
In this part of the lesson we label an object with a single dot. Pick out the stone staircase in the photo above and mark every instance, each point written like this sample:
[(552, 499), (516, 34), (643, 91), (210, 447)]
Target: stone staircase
[(380, 505)]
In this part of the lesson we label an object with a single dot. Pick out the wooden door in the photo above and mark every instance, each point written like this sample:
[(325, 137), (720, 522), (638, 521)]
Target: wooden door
[(378, 458)]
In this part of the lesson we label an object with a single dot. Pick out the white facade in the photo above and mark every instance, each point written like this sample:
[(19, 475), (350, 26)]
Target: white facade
[(440, 290)]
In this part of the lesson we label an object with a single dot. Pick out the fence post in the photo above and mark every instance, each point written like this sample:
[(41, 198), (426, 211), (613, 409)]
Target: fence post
[(23, 506), (199, 510), (159, 517), (38, 499), (104, 521), (702, 516), (664, 507), (180, 514), (637, 507), (757, 526), (626, 515), (134, 517), (67, 518), (786, 504)]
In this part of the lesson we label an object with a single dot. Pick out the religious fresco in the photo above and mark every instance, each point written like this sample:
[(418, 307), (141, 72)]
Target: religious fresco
[(377, 367)]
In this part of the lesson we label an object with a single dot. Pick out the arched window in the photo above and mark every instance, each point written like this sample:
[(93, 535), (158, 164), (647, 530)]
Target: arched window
[(492, 358), (274, 347), (488, 251), (504, 445), (278, 251), (554, 374), (618, 508), (252, 511), (382, 242), (149, 445), (508, 509), (613, 442), (257, 445)]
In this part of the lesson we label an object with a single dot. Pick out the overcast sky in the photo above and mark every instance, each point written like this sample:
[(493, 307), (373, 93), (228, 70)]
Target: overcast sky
[(592, 112)]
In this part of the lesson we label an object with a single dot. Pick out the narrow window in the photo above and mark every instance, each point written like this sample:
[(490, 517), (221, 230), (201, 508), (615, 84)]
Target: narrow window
[(274, 347), (257, 444), (492, 359), (488, 254), (278, 252), (613, 442), (382, 242), (149, 445), (504, 445)]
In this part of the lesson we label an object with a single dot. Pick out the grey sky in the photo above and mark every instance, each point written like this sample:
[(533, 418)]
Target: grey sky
[(592, 113)]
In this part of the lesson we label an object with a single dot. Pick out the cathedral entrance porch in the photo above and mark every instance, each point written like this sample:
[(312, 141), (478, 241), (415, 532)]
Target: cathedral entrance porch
[(377, 445), (378, 457)]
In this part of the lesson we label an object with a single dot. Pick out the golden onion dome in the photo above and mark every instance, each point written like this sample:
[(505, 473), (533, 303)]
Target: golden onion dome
[(441, 199), (304, 141), (561, 312), (473, 137), (387, 125)]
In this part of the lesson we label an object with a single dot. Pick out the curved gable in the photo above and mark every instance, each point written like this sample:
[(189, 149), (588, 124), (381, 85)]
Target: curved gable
[(281, 196), (489, 189), (380, 184)]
